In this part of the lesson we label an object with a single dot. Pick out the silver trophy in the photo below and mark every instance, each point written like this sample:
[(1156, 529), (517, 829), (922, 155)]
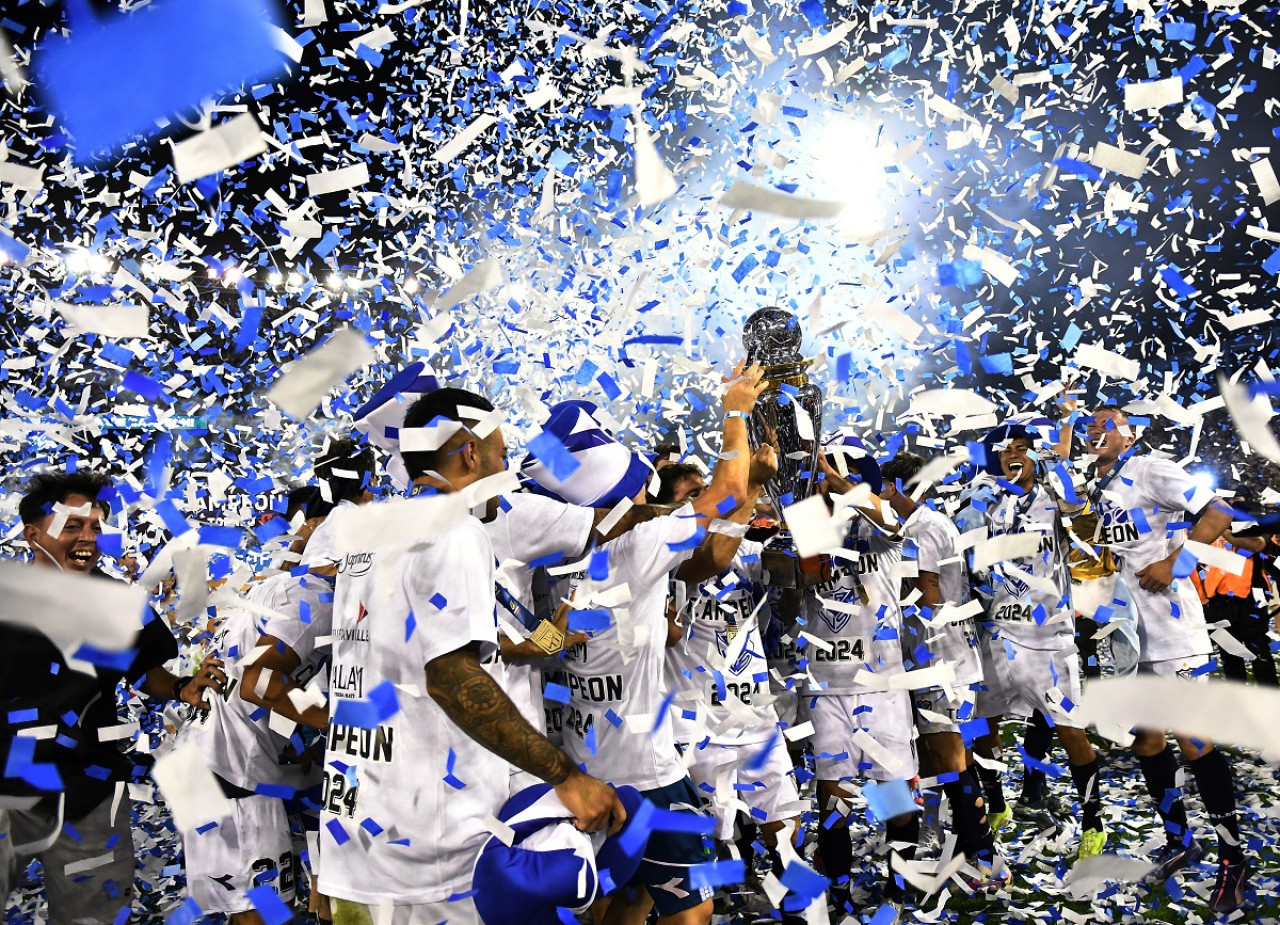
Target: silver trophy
[(772, 338)]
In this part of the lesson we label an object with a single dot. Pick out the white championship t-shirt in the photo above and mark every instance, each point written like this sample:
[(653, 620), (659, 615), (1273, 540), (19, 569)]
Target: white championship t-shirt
[(532, 527), (1136, 508), (234, 735), (856, 616), (405, 801), (616, 679), (720, 659), (935, 540), (1034, 614)]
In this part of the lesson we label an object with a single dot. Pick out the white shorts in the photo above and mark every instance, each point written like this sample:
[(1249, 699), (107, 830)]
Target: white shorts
[(247, 848), (949, 710), (1177, 667), (768, 789), (1034, 679), (863, 736), (459, 912)]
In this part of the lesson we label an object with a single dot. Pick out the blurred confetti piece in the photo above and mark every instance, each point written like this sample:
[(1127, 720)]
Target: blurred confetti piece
[(743, 195), (654, 182), (112, 80), (1225, 712), (485, 275), (1153, 94), (219, 148), (71, 609), (1087, 875), (1265, 176), (189, 787), (106, 320), (1250, 416), (812, 526), (301, 387)]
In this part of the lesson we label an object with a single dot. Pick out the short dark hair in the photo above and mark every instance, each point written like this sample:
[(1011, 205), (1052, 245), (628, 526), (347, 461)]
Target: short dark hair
[(442, 403), (347, 467), (668, 476), (666, 449), (902, 468), (45, 489), (304, 498)]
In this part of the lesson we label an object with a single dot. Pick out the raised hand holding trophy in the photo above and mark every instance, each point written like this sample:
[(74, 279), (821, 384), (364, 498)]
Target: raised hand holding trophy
[(788, 415)]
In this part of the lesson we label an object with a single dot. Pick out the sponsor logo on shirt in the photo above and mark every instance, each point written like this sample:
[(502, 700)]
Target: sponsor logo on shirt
[(352, 635), (347, 680), (356, 564)]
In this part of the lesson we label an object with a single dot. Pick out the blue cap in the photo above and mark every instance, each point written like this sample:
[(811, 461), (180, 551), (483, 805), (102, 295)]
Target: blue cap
[(605, 473), (550, 864), (859, 461), (1032, 427)]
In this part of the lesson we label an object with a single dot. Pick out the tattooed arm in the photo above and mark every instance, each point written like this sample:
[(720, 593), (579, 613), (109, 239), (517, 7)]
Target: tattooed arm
[(477, 705)]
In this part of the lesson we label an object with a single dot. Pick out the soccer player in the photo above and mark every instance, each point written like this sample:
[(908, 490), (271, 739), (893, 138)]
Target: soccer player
[(1143, 500), (933, 637), (82, 818), (616, 721), (421, 759), (863, 728), (1030, 658), (724, 716)]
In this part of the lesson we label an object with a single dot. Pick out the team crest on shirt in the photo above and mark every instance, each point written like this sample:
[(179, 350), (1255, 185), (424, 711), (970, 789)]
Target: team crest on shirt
[(835, 619), (744, 658)]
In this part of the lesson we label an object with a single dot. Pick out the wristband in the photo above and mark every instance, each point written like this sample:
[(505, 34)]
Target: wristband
[(737, 414), (547, 638), (180, 685)]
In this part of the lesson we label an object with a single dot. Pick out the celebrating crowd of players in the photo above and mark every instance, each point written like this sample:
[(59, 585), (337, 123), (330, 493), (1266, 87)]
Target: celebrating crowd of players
[(411, 673)]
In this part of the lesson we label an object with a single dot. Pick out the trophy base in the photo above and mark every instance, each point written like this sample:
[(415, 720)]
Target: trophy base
[(808, 571)]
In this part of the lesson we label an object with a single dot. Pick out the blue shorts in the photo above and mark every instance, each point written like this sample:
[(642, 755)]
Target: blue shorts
[(671, 854)]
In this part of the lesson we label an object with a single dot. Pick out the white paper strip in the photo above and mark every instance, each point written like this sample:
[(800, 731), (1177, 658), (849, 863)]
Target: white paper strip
[(960, 402), (1250, 416), (1096, 357), (1216, 557), (654, 182), (1224, 712), (189, 788), (219, 148), (1125, 163), (811, 526), (106, 320), (485, 275), (743, 195), (1265, 176), (71, 609), (463, 140), (1153, 94), (1002, 548), (25, 178), (333, 181), (305, 382)]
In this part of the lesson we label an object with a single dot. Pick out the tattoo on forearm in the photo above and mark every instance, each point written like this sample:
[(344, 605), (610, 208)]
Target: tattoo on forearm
[(473, 700)]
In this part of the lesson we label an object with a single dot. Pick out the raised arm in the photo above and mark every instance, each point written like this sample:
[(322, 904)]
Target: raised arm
[(731, 477)]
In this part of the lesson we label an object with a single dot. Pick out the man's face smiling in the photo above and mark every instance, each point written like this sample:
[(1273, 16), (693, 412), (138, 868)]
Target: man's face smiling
[(1106, 440), (1017, 463), (75, 547)]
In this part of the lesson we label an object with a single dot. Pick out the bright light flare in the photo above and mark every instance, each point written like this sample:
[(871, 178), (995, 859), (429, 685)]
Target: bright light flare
[(849, 163)]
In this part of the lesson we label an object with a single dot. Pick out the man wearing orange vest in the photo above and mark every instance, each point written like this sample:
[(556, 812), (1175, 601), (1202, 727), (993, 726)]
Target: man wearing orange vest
[(1230, 598)]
